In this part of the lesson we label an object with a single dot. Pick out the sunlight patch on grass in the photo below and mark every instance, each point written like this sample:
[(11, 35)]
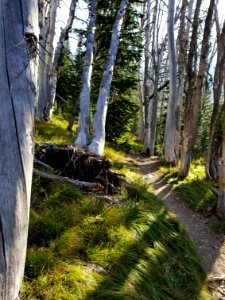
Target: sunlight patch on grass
[(194, 189)]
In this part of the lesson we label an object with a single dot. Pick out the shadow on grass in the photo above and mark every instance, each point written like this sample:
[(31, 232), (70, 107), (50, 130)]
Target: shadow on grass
[(161, 264)]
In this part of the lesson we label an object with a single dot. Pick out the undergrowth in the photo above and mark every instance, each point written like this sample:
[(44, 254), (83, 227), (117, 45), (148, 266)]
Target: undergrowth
[(82, 247), (194, 189)]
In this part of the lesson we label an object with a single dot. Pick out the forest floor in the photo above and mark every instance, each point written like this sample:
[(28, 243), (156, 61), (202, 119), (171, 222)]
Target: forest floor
[(211, 246)]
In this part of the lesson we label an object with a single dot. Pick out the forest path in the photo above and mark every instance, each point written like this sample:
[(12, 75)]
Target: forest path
[(210, 246)]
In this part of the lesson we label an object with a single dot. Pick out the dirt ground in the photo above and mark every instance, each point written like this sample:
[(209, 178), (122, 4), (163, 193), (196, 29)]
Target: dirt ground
[(211, 246)]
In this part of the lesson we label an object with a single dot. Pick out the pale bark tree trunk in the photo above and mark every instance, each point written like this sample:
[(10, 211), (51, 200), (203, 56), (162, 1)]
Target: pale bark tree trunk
[(54, 68), (47, 22), (156, 65), (195, 96), (98, 142), (147, 82), (182, 46), (82, 138), (217, 90), (170, 130), (18, 52), (221, 195)]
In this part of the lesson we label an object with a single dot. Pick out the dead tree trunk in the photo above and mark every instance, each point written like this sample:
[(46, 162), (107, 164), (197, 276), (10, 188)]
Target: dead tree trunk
[(54, 68), (194, 98), (217, 90), (170, 130), (98, 142), (82, 138), (18, 51)]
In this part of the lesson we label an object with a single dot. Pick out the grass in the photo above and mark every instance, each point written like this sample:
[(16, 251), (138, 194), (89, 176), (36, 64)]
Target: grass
[(82, 248), (194, 189), (54, 132)]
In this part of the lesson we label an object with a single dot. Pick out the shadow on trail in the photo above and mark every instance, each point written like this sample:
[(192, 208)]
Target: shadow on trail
[(160, 265), (208, 243)]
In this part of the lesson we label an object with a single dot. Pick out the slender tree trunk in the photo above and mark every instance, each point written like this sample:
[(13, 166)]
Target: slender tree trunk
[(147, 83), (18, 52), (82, 138), (194, 98), (54, 68), (182, 46), (221, 196), (155, 101), (98, 142), (170, 130), (47, 33), (217, 90)]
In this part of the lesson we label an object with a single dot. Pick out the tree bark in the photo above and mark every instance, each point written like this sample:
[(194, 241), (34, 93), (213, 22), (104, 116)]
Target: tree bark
[(217, 91), (18, 51), (195, 91), (170, 130), (47, 33), (221, 197), (54, 68), (98, 142), (82, 138), (147, 82)]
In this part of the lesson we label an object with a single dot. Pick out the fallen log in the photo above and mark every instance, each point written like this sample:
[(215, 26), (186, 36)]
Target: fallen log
[(78, 164), (63, 179)]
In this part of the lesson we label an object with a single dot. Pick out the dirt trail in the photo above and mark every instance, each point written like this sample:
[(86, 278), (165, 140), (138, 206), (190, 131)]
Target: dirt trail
[(211, 246)]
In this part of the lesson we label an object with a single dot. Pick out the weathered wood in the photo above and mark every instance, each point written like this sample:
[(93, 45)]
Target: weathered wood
[(82, 138), (64, 179), (170, 129), (98, 143), (18, 50)]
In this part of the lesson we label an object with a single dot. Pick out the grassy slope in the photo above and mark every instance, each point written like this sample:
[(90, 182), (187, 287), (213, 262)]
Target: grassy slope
[(83, 248), (195, 188)]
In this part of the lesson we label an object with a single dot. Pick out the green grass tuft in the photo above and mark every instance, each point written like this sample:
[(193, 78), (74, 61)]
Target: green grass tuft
[(194, 189)]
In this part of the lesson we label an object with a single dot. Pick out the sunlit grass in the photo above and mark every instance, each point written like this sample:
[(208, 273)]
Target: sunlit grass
[(194, 189), (54, 132), (80, 247)]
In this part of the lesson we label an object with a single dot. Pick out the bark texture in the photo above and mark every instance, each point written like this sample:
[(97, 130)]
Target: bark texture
[(54, 68), (84, 115), (18, 51), (98, 142), (170, 130), (211, 169), (195, 89)]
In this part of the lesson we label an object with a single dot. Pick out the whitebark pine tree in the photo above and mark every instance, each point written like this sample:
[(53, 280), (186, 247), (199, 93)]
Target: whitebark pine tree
[(195, 89), (18, 52), (82, 138), (98, 143), (53, 74), (170, 130)]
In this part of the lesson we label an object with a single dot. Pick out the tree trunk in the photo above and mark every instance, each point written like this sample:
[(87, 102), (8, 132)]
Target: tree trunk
[(54, 68), (170, 130), (195, 92), (98, 142), (221, 196), (217, 90), (147, 83), (82, 138), (47, 33), (18, 51), (182, 46)]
